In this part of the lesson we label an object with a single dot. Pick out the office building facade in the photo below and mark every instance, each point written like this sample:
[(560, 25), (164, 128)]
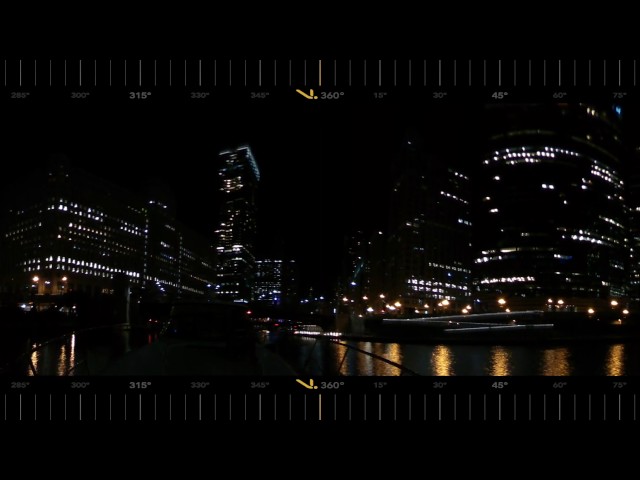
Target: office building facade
[(428, 251), (66, 230), (235, 247), (550, 220)]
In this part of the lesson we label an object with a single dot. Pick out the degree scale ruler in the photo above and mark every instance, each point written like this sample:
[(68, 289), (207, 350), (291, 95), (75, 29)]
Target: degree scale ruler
[(330, 399), (266, 79)]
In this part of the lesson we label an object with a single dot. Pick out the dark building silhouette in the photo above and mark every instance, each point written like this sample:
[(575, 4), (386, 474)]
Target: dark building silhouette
[(67, 230), (276, 282), (239, 176), (365, 278), (550, 221), (424, 257), (428, 256)]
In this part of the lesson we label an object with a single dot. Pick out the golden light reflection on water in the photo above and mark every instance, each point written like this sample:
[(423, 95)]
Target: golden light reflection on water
[(348, 361), (392, 352), (442, 361), (72, 352), (615, 360), (500, 362), (35, 358), (62, 360), (341, 360), (555, 362), (67, 357), (365, 362)]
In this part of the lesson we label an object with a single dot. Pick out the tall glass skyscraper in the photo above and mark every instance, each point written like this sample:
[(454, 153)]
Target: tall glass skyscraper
[(550, 214), (239, 177)]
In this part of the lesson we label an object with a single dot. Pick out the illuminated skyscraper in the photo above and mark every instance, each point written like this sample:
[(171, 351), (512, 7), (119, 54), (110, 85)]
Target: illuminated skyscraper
[(551, 220), (239, 177), (428, 252)]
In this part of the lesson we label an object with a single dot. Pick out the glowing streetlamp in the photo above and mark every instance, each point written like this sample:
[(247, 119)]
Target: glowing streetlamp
[(365, 298), (591, 311), (502, 301), (625, 312), (345, 299), (445, 302), (382, 295), (64, 279), (36, 278), (397, 304), (560, 302), (614, 303), (464, 310)]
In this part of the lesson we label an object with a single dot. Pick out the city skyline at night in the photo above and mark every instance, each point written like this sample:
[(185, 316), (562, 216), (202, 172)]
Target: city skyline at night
[(314, 190)]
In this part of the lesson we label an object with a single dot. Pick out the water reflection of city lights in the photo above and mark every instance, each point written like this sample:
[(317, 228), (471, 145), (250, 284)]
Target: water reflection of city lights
[(614, 364), (555, 362), (500, 362), (442, 361), (35, 357), (341, 352)]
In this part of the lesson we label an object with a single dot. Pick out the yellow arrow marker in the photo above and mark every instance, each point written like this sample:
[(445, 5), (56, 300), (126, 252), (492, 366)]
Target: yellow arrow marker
[(309, 96), (309, 385)]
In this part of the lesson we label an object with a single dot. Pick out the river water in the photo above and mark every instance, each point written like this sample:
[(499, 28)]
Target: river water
[(583, 359), (324, 357)]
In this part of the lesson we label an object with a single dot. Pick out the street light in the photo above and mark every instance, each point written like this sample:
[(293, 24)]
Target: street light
[(64, 279), (625, 312), (397, 304), (560, 302), (445, 302), (614, 303), (502, 301), (382, 295), (591, 311), (35, 278)]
